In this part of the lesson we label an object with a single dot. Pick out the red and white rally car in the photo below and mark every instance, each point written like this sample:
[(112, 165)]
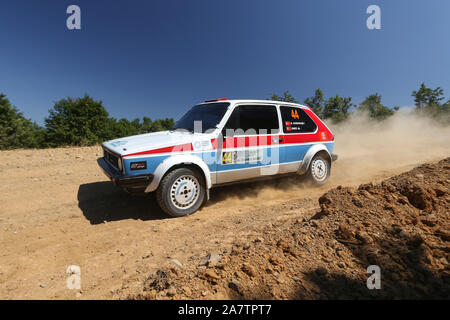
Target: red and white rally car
[(220, 142)]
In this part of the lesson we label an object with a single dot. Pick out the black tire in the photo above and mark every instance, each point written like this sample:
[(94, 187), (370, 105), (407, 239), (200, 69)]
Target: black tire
[(319, 170), (176, 189)]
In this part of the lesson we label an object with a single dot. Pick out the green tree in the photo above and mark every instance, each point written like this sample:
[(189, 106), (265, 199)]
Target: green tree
[(337, 108), (15, 130), (162, 124), (287, 97), (76, 121), (428, 101), (316, 102), (427, 97), (123, 127), (372, 105)]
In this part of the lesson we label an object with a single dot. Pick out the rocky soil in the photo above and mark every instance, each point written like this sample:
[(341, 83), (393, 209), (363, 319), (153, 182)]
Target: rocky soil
[(401, 225)]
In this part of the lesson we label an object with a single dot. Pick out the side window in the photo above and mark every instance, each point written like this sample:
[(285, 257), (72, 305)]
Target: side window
[(252, 119), (296, 120)]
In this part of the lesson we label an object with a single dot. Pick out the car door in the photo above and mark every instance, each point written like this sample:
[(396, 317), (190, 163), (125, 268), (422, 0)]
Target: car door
[(250, 144), (299, 133)]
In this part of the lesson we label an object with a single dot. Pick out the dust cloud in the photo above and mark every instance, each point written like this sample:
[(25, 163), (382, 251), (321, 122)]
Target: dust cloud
[(368, 150)]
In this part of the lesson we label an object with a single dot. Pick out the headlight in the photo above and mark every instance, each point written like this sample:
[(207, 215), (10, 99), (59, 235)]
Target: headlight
[(119, 163)]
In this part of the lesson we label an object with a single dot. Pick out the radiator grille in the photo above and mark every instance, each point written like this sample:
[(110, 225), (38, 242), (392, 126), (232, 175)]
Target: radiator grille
[(111, 158)]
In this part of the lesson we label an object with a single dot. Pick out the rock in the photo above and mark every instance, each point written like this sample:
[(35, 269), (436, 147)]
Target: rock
[(259, 239), (171, 292), (440, 192), (148, 255), (213, 259), (280, 279), (211, 274), (204, 293), (274, 260), (248, 269), (344, 233), (174, 270), (235, 285), (210, 260), (42, 285), (154, 230), (363, 237), (357, 203), (176, 263), (187, 291), (321, 271), (430, 220)]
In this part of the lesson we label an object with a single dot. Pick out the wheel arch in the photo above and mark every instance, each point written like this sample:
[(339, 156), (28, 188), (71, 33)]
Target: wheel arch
[(312, 151), (182, 161)]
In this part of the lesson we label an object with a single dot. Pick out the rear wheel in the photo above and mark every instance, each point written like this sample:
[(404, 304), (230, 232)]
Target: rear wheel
[(319, 169), (181, 192)]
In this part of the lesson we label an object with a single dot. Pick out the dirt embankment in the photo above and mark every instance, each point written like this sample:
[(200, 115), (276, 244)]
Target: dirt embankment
[(400, 225)]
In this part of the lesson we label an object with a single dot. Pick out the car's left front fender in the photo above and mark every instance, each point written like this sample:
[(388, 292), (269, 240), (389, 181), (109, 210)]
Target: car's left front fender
[(173, 161)]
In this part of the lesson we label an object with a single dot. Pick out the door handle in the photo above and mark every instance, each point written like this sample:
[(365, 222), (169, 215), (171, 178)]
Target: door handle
[(277, 139)]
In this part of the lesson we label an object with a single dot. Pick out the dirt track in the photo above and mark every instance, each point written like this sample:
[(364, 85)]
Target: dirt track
[(58, 209)]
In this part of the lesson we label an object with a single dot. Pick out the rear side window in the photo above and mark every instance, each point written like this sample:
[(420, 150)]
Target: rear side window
[(296, 120), (252, 119)]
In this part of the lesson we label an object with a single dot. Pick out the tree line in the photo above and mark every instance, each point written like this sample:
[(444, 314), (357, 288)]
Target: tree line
[(85, 121), (428, 102), (71, 122)]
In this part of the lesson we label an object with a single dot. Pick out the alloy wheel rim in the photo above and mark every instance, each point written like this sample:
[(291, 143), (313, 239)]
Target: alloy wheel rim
[(184, 192), (319, 169)]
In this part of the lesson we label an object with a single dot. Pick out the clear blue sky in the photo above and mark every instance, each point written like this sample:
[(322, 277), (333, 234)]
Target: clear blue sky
[(157, 58)]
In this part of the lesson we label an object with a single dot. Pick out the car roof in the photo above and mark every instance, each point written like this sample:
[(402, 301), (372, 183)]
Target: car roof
[(236, 101)]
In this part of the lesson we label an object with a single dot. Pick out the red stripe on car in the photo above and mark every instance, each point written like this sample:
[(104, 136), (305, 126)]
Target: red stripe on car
[(177, 148)]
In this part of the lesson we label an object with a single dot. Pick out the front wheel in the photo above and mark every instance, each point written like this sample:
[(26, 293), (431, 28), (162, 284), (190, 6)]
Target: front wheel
[(181, 192), (319, 170)]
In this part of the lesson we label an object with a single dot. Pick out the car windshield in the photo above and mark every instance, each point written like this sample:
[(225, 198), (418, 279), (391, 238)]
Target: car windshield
[(208, 115)]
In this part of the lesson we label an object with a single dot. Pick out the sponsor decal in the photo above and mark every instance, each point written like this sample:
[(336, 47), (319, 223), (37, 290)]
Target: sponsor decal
[(296, 126), (202, 145), (119, 143), (141, 165), (294, 114), (323, 136), (242, 157)]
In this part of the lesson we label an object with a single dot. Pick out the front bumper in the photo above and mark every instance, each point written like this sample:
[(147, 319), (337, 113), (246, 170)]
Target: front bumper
[(138, 181)]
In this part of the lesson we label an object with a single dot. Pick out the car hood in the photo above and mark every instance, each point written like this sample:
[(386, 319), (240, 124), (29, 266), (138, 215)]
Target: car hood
[(150, 141)]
